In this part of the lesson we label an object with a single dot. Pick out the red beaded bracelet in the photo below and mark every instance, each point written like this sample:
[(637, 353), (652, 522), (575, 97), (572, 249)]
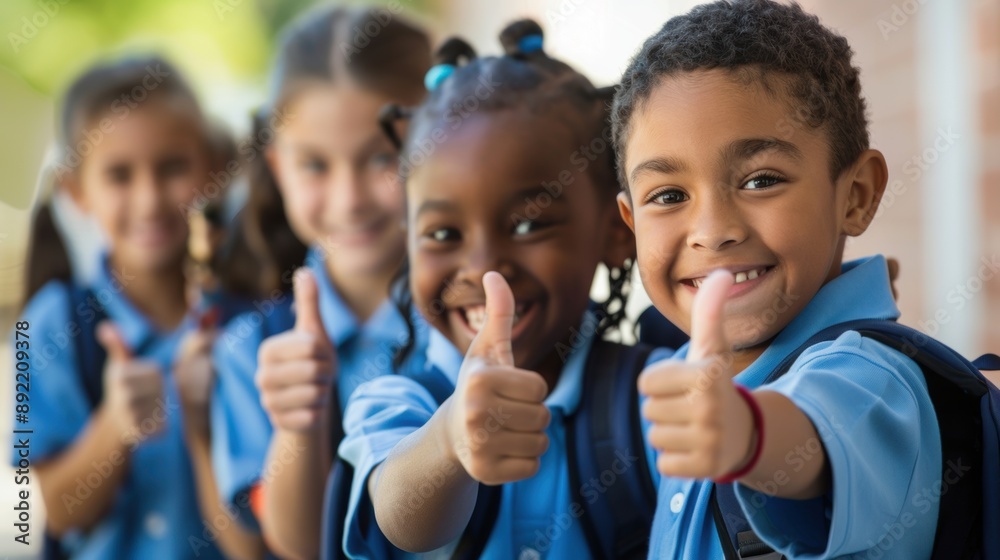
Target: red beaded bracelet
[(758, 424)]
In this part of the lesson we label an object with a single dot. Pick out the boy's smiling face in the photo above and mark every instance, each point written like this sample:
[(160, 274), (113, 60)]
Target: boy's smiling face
[(719, 179)]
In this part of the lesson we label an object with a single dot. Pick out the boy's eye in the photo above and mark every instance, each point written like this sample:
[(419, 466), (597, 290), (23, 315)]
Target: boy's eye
[(761, 182), (525, 227), (442, 235), (672, 196)]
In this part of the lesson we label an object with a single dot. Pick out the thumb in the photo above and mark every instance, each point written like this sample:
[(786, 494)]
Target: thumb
[(708, 336), (493, 340), (307, 317), (111, 340)]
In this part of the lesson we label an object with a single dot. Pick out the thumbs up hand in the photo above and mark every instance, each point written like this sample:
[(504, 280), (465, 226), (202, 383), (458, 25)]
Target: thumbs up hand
[(133, 389), (496, 418), (295, 369), (702, 427), (194, 375)]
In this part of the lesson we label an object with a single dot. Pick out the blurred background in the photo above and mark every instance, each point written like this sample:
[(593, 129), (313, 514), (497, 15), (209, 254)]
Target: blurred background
[(930, 70)]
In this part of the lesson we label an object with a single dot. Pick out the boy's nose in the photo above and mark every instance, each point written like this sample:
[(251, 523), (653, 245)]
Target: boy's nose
[(716, 224)]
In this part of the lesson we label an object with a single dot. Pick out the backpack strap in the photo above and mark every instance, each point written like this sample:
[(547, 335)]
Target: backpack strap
[(601, 437), (473, 540), (987, 362), (90, 355), (956, 388), (738, 539)]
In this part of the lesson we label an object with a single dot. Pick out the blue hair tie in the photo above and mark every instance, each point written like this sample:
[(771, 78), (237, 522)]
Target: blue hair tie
[(438, 74), (530, 43)]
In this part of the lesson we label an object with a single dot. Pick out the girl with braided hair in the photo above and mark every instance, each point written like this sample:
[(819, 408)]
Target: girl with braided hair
[(510, 188)]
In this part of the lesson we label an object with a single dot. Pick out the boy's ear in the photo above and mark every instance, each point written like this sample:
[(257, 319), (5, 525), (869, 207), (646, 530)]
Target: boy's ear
[(625, 209), (868, 178), (621, 242)]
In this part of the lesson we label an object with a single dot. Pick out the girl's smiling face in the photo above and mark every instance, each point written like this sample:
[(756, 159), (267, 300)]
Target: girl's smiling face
[(480, 203), (722, 176), (139, 180), (336, 171)]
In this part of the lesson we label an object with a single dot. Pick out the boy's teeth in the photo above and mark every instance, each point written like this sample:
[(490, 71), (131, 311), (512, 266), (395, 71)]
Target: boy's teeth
[(748, 275), (739, 277)]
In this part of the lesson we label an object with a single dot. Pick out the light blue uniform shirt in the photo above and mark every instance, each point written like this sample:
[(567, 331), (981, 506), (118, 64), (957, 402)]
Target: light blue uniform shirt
[(155, 513), (241, 430), (534, 520), (871, 409)]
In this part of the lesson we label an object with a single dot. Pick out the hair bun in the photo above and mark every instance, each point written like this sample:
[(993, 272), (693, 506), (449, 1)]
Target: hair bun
[(522, 38), (446, 61), (454, 51)]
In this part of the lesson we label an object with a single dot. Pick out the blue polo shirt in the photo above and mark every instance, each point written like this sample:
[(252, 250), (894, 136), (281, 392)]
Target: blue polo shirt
[(155, 513), (534, 520), (871, 409), (241, 429)]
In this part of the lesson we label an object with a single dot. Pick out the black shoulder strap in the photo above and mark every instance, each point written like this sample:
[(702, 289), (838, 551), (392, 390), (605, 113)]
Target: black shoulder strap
[(604, 440), (90, 355)]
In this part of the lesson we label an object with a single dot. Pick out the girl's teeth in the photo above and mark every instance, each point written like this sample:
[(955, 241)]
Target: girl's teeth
[(752, 274), (741, 277), (476, 316), (697, 283)]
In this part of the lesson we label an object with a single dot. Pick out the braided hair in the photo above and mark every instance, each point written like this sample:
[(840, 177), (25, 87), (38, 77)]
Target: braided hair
[(525, 78)]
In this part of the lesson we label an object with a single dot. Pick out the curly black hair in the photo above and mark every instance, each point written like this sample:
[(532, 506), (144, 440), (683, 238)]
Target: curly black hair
[(524, 78), (762, 41)]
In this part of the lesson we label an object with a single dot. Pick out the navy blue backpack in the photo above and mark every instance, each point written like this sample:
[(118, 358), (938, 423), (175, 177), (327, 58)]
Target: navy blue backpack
[(968, 413), (617, 522)]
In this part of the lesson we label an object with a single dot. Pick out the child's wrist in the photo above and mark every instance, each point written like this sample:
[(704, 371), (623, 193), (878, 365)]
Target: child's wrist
[(756, 441)]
